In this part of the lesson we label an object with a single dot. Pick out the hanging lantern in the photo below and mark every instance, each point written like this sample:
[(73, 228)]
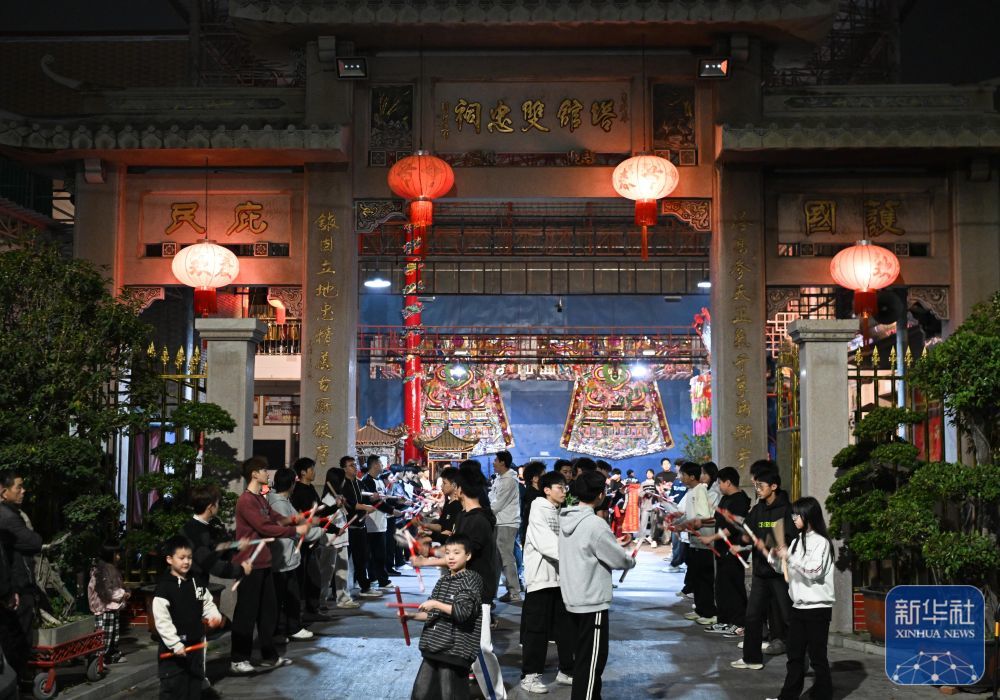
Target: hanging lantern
[(645, 179), (865, 268), (421, 178), (206, 267)]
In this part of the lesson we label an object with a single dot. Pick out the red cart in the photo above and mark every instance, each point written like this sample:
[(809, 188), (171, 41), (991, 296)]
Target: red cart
[(89, 647)]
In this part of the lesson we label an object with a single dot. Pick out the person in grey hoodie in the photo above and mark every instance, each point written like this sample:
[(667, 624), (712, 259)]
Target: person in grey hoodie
[(588, 551), (506, 503)]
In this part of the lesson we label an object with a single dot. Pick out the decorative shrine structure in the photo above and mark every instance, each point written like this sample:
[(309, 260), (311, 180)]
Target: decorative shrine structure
[(445, 448), (387, 444)]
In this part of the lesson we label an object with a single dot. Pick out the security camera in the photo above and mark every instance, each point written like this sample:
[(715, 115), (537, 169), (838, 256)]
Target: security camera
[(559, 306)]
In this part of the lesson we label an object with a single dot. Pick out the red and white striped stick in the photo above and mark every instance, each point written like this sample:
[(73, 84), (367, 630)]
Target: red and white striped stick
[(187, 650), (260, 547), (412, 543), (237, 543), (342, 530), (731, 548), (634, 552), (402, 615), (302, 537)]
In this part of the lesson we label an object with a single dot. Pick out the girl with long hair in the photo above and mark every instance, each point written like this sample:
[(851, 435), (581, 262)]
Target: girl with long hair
[(808, 567)]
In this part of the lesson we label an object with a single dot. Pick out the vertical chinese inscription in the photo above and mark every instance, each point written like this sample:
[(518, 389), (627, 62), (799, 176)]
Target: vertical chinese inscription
[(326, 224), (741, 298)]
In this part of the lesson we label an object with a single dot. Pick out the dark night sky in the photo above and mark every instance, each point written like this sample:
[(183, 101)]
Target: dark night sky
[(943, 41)]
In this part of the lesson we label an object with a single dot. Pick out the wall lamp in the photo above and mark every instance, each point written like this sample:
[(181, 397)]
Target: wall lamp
[(713, 68), (353, 68)]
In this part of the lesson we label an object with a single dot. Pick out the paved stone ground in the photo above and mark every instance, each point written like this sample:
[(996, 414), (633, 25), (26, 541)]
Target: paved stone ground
[(654, 653)]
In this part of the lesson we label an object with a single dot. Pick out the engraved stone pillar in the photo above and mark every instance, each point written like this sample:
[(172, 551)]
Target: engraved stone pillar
[(824, 408), (739, 392), (232, 346), (329, 319), (976, 247)]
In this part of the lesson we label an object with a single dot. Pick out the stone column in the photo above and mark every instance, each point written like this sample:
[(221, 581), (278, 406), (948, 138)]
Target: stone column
[(975, 246), (329, 319), (95, 233), (824, 409), (739, 390), (232, 345)]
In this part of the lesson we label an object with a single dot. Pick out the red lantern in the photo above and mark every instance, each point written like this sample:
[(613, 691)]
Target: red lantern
[(421, 178), (645, 179), (865, 268)]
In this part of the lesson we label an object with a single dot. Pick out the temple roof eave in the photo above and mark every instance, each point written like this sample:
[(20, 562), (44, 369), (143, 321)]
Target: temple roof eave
[(932, 133), (370, 435), (446, 441), (569, 22), (175, 144)]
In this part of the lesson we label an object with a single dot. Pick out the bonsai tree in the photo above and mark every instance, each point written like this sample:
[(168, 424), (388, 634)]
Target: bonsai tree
[(964, 371), (179, 461), (869, 473), (74, 375), (959, 545)]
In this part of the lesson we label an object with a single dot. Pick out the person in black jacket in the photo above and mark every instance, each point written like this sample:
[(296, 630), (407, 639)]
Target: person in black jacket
[(730, 586), (358, 505), (179, 605), (768, 586), (206, 532), (20, 543), (316, 559)]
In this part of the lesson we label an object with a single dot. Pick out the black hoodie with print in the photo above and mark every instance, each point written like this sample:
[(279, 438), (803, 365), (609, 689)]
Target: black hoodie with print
[(761, 520)]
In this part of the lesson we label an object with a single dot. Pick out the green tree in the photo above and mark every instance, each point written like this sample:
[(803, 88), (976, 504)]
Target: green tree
[(75, 374), (964, 371)]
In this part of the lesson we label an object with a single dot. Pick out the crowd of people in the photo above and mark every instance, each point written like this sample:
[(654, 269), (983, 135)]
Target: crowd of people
[(551, 537)]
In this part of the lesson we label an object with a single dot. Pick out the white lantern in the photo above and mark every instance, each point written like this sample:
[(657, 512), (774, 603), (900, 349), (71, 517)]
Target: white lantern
[(206, 267), (645, 179)]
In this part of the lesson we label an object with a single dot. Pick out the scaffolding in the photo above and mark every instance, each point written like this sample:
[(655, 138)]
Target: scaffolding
[(861, 49)]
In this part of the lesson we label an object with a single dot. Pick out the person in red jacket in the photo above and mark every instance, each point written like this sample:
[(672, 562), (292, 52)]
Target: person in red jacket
[(256, 604)]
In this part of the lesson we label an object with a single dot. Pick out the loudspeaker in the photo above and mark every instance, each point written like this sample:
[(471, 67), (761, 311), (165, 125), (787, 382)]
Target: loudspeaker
[(890, 305)]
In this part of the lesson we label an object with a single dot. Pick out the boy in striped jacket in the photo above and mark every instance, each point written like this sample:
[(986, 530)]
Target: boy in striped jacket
[(453, 619)]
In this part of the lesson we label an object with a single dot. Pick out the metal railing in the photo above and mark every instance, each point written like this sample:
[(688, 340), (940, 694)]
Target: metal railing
[(879, 380)]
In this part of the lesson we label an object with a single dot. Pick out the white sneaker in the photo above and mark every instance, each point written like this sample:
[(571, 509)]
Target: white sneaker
[(740, 645), (302, 634), (682, 594), (241, 668), (691, 616), (775, 647), (740, 663), (277, 663), (719, 628), (707, 620), (349, 605), (370, 594), (563, 679), (533, 684)]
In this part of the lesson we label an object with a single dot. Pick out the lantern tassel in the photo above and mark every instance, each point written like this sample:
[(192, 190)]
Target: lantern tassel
[(645, 244)]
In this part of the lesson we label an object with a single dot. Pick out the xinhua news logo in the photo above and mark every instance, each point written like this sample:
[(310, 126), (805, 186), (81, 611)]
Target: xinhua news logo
[(935, 635)]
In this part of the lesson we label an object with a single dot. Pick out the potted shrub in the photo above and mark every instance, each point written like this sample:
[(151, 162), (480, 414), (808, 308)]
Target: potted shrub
[(964, 371), (178, 472), (883, 551), (75, 375)]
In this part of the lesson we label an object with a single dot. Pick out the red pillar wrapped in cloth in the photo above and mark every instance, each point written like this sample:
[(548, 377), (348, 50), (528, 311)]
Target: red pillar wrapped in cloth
[(413, 370), (420, 178)]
